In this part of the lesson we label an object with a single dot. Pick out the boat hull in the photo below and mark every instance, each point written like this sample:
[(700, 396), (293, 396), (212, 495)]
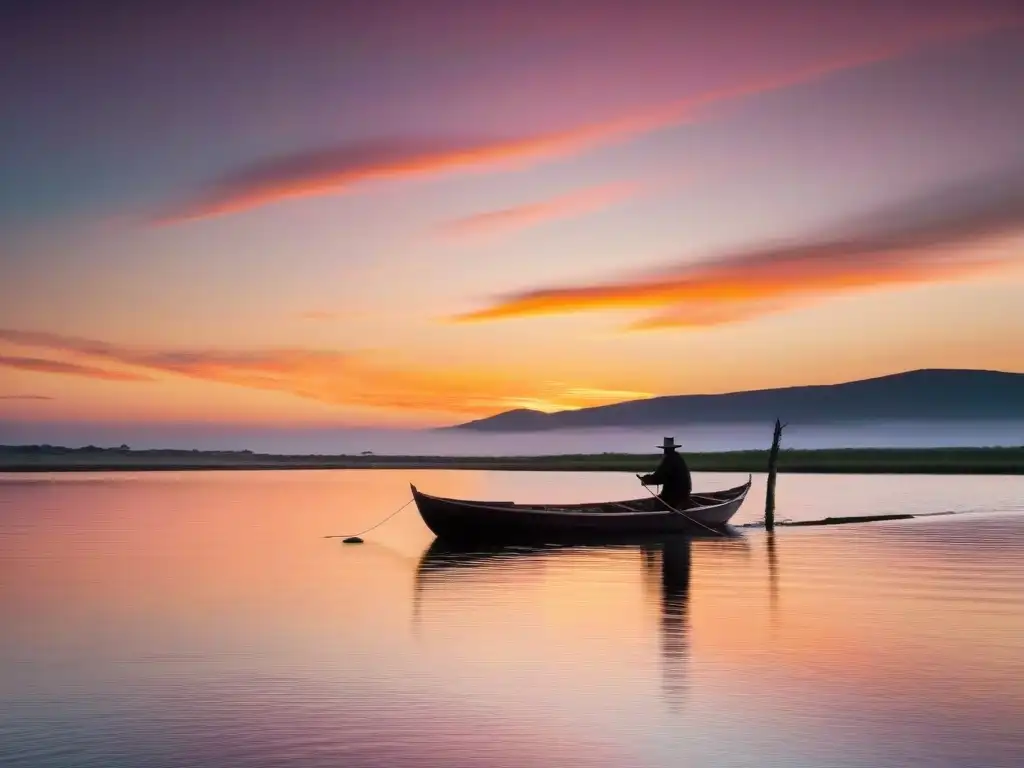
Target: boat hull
[(459, 520)]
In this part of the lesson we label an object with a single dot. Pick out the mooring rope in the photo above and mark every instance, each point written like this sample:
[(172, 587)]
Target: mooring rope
[(377, 525), (696, 522)]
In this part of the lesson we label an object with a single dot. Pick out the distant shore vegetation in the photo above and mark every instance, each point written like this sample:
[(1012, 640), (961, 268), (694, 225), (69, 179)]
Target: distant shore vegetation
[(48, 458)]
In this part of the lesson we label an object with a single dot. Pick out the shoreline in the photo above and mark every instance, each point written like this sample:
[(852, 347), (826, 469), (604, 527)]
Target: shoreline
[(939, 461)]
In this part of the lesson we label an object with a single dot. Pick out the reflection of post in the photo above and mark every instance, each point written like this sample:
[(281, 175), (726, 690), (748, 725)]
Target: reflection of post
[(675, 641), (773, 576)]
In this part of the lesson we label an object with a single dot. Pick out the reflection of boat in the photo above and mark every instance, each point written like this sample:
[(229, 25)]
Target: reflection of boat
[(665, 562), (443, 560), (457, 519), (446, 557)]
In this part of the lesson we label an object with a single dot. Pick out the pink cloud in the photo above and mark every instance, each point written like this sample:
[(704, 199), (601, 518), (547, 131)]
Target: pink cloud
[(505, 221), (341, 169), (40, 365), (924, 240)]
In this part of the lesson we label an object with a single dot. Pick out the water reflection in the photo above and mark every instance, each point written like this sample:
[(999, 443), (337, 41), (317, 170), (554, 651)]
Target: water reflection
[(666, 567), (773, 576), (201, 619)]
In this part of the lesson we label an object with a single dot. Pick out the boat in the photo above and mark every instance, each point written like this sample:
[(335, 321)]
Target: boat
[(499, 521)]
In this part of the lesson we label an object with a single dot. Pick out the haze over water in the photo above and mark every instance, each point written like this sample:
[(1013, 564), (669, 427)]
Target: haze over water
[(200, 619), (325, 440)]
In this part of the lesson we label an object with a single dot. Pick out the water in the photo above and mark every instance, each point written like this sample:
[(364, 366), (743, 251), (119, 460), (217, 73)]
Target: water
[(200, 619)]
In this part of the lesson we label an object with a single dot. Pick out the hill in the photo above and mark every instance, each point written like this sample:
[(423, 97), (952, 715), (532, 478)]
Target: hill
[(926, 395)]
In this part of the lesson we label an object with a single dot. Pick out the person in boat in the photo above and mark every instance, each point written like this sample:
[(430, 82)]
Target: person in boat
[(673, 475)]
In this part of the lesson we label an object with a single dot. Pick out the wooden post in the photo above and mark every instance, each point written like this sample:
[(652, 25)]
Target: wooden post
[(773, 460)]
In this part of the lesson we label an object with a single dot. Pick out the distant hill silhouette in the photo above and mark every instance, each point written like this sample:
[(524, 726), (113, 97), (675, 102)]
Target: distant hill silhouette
[(933, 395)]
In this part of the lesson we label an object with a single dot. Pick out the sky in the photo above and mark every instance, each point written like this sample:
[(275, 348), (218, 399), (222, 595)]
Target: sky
[(403, 214)]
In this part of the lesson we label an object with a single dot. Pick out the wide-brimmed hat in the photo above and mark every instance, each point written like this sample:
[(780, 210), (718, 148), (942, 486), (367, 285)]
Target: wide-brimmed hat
[(670, 442)]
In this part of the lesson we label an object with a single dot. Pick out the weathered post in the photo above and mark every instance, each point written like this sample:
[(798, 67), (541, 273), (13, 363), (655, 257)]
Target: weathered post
[(773, 460)]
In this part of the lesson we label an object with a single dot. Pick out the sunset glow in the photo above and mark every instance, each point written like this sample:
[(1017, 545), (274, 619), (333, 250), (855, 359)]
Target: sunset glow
[(391, 216)]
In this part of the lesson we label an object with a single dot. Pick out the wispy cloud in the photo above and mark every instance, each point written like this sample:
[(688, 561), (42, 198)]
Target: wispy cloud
[(321, 315), (941, 236), (341, 168), (40, 365), (518, 217), (26, 397), (342, 378), (332, 315)]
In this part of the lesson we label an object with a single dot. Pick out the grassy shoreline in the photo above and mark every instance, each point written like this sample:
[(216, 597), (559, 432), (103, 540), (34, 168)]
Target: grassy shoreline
[(992, 461)]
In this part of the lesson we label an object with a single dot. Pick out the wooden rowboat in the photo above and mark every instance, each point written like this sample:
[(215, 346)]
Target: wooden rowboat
[(461, 520)]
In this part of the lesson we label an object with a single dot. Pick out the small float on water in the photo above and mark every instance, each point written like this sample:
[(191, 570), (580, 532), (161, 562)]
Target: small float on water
[(463, 520)]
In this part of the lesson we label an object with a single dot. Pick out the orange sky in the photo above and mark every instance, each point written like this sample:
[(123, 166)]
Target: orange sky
[(403, 234)]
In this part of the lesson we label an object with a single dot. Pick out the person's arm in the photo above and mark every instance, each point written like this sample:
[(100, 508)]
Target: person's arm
[(657, 477)]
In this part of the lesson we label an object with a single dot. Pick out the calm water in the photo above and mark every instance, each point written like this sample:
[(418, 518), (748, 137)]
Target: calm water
[(202, 620)]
